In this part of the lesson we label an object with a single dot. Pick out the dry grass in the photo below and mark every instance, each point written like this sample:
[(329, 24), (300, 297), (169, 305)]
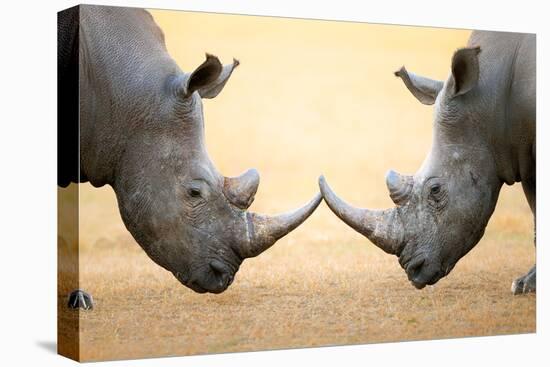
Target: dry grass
[(309, 97)]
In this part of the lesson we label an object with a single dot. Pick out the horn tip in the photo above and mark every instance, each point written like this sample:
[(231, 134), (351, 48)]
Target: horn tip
[(313, 203), (311, 206), (323, 185), (392, 178), (400, 72), (317, 199)]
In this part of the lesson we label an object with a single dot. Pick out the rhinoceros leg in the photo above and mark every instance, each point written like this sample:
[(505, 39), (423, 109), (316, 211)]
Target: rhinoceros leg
[(526, 283), (80, 299)]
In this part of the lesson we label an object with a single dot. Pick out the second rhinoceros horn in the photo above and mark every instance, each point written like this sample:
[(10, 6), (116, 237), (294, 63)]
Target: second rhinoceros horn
[(382, 227), (240, 190), (399, 186)]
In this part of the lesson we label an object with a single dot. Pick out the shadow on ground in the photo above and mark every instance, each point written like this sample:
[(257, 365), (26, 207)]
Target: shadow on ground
[(48, 345)]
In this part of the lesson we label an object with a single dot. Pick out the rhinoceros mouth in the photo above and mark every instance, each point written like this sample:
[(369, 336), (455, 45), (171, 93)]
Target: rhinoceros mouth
[(215, 276), (195, 287), (419, 284), (422, 271)]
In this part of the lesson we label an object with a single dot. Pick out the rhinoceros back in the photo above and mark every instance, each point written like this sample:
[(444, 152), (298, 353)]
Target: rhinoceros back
[(112, 64), (508, 95)]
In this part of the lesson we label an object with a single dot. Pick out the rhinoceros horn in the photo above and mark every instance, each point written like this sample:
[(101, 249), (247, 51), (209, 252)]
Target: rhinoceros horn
[(381, 227), (263, 231), (399, 186), (240, 190)]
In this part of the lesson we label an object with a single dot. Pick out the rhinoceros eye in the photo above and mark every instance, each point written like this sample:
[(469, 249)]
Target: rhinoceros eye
[(437, 197), (194, 192)]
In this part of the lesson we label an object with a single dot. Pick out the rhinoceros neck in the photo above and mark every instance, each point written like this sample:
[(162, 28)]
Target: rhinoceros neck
[(124, 66), (507, 101)]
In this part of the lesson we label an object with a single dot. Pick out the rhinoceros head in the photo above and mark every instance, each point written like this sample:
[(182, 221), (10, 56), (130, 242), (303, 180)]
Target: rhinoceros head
[(188, 217), (441, 212)]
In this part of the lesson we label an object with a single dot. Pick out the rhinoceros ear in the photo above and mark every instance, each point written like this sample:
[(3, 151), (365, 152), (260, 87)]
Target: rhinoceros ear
[(424, 89), (213, 89), (209, 78), (465, 70), (203, 76)]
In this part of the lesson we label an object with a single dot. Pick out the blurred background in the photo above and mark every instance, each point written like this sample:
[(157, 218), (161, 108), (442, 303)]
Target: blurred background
[(309, 98)]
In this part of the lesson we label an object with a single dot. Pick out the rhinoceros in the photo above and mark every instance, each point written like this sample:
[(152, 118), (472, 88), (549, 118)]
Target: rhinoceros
[(140, 119), (483, 136)]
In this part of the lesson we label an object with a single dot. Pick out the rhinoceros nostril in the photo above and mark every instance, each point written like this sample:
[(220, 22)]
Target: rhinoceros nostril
[(221, 272), (414, 268), (218, 266)]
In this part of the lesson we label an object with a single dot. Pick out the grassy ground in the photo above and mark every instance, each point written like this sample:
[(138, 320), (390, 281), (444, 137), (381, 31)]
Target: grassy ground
[(308, 98)]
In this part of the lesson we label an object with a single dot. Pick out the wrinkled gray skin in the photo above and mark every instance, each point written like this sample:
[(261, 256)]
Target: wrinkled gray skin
[(483, 137), (142, 132)]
